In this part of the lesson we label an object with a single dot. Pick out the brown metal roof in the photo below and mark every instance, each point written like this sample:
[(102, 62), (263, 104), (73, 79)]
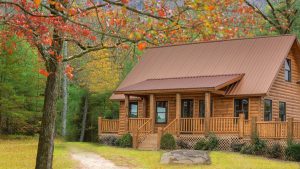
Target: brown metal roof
[(214, 82), (258, 58)]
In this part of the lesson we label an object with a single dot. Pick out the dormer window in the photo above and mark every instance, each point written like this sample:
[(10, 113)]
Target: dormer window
[(287, 70)]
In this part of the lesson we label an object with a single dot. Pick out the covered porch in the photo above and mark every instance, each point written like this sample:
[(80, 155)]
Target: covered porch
[(175, 114), (186, 105)]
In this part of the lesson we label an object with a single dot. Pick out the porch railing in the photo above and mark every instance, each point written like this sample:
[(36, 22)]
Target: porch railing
[(144, 130), (296, 129), (224, 124), (108, 125), (218, 125), (172, 127), (272, 129), (135, 123), (191, 125)]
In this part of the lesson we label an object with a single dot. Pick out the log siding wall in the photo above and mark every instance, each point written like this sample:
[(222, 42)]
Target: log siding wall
[(222, 107), (288, 92)]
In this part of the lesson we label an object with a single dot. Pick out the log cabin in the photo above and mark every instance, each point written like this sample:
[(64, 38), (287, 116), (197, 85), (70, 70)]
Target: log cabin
[(225, 87)]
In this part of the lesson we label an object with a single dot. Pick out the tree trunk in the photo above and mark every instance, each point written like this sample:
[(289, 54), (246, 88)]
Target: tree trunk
[(84, 119), (65, 93), (46, 139)]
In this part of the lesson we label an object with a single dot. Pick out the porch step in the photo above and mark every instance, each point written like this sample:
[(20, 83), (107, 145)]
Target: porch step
[(150, 143)]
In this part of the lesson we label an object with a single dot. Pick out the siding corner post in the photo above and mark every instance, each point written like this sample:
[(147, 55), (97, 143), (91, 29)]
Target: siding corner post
[(152, 111), (178, 112), (144, 107), (241, 125), (207, 113), (127, 99), (159, 135), (99, 125), (290, 128), (253, 127), (135, 138)]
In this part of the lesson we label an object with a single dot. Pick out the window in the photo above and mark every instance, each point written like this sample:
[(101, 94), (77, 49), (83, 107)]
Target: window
[(202, 108), (287, 70), (187, 108), (161, 111), (241, 106), (282, 111), (268, 110), (133, 109)]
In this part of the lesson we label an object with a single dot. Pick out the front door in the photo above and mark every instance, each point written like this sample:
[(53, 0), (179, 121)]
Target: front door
[(187, 108)]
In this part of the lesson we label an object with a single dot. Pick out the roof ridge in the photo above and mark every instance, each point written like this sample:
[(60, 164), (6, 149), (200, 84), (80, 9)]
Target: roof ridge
[(186, 77), (222, 40)]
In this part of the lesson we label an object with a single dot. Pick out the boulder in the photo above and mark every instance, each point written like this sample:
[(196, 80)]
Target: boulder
[(185, 157)]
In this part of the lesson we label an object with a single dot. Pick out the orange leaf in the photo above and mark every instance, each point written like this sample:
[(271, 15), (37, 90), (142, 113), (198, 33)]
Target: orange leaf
[(142, 45), (211, 8), (37, 2)]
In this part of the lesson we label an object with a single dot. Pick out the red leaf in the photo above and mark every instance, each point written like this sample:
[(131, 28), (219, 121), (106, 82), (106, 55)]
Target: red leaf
[(161, 13), (125, 1), (86, 32), (93, 38), (44, 72)]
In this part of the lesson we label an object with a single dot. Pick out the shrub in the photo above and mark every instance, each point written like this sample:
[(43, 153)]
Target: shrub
[(237, 147), (125, 141), (274, 151), (247, 149), (167, 142), (213, 142), (259, 146), (293, 152), (109, 140), (201, 145), (182, 144)]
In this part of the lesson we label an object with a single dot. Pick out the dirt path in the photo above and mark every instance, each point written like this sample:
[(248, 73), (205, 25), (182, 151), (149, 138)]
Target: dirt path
[(89, 160)]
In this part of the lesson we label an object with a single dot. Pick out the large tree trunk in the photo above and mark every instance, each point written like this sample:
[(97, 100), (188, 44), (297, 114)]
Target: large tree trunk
[(84, 119), (46, 140), (65, 93)]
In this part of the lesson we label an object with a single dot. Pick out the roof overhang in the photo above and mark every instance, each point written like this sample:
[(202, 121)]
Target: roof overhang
[(212, 83)]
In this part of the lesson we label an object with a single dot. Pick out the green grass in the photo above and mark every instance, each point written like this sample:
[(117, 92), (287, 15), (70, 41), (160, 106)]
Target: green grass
[(20, 153), (150, 159)]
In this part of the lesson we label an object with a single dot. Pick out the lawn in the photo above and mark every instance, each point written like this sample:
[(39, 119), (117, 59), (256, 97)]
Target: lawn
[(20, 152), (150, 159)]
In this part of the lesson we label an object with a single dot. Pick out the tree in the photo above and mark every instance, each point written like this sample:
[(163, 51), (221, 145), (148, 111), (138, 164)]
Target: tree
[(281, 15), (103, 25)]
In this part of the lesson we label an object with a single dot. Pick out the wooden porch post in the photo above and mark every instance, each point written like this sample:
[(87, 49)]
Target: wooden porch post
[(127, 98), (207, 112), (159, 135), (99, 125), (152, 111), (253, 127), (241, 124), (178, 111), (290, 128)]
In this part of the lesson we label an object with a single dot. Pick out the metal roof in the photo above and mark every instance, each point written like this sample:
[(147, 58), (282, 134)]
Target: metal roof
[(258, 58), (214, 82)]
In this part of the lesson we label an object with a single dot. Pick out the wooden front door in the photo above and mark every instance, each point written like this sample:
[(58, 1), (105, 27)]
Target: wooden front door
[(187, 108)]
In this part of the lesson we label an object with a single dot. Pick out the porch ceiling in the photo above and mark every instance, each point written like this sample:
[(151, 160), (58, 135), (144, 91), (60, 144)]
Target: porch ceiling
[(199, 83)]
